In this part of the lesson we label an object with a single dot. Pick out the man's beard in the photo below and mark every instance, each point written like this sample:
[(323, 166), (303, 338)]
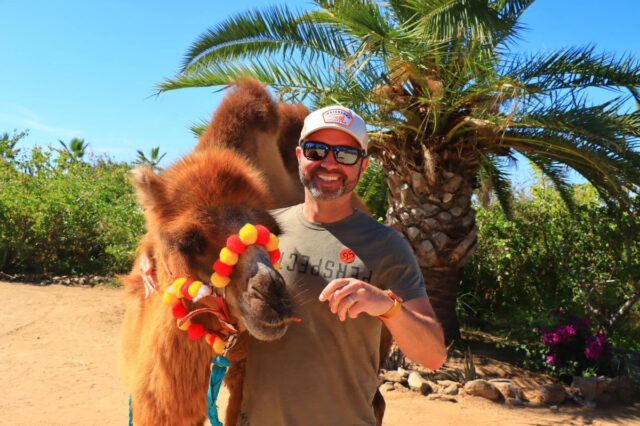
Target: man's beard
[(326, 194)]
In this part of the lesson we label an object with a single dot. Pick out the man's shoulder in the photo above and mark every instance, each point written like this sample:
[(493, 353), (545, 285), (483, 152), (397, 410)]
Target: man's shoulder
[(284, 211)]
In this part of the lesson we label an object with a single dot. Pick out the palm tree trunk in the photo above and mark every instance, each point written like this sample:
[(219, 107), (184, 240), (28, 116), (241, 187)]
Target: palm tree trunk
[(431, 207)]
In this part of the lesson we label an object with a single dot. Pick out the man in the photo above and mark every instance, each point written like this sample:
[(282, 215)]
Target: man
[(324, 370)]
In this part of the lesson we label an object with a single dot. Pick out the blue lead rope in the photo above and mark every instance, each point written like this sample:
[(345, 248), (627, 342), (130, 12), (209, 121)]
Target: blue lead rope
[(218, 369)]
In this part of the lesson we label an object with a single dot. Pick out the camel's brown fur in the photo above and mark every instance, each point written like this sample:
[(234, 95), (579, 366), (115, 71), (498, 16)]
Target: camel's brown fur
[(166, 372)]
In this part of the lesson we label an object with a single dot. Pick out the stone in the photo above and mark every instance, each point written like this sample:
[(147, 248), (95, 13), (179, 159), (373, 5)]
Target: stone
[(400, 388), (552, 394), (482, 388), (617, 383), (437, 397), (394, 376), (403, 372), (554, 408), (446, 383), (508, 389), (590, 387), (418, 384), (387, 386), (450, 390), (515, 402)]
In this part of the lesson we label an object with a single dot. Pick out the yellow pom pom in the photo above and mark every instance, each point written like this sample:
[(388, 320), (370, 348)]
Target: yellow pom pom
[(208, 338), (194, 287), (184, 325), (218, 345), (219, 281), (175, 287), (273, 243), (228, 257), (276, 266), (169, 298), (248, 234)]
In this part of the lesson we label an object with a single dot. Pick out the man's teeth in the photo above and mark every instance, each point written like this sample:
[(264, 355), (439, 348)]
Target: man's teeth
[(328, 178)]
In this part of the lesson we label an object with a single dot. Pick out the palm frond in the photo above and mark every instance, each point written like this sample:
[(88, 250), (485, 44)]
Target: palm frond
[(557, 174), (491, 169)]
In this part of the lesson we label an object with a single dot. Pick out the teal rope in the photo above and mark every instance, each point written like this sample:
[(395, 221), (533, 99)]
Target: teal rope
[(218, 370), (130, 415)]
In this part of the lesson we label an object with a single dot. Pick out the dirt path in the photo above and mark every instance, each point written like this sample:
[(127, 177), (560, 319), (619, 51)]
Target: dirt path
[(58, 366)]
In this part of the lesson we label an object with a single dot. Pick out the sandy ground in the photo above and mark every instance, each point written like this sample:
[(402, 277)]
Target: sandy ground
[(58, 366)]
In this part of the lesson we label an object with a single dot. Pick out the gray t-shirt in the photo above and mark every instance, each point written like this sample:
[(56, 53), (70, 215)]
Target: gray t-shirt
[(324, 371)]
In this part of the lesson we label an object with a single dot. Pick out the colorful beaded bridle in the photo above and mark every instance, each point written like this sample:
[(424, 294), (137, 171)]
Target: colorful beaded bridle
[(190, 289)]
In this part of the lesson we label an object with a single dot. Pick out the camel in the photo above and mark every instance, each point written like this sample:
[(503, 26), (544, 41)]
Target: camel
[(264, 133), (191, 210)]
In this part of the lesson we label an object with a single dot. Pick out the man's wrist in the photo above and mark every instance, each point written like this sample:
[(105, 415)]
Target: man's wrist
[(395, 309)]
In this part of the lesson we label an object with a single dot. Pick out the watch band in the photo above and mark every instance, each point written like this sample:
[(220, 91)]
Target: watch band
[(395, 309)]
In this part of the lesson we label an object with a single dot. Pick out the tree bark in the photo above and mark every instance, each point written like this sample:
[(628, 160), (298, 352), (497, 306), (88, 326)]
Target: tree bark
[(430, 204)]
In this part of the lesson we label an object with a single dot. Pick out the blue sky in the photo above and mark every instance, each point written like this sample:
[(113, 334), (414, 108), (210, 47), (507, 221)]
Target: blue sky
[(87, 69)]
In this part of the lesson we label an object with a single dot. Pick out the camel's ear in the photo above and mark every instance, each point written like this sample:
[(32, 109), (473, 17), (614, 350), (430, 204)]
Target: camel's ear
[(291, 121), (150, 187)]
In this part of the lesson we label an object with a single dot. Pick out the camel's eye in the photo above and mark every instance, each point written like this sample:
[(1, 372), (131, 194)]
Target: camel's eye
[(192, 242)]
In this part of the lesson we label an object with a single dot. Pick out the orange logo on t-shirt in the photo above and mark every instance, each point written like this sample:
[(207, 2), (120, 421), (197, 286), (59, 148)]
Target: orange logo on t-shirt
[(347, 255)]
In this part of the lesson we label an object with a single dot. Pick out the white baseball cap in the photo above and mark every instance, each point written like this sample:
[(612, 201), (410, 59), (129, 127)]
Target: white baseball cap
[(336, 117)]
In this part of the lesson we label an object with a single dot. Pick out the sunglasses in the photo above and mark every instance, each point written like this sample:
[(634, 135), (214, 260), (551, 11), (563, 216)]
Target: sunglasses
[(346, 155)]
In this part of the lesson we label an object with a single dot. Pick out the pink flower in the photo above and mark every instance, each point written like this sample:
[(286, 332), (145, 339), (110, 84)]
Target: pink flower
[(552, 360)]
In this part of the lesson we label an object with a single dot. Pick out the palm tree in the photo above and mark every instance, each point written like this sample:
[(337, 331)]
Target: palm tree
[(152, 161), (75, 150), (449, 104)]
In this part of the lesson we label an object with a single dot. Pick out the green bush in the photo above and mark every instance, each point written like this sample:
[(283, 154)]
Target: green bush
[(62, 215), (585, 262)]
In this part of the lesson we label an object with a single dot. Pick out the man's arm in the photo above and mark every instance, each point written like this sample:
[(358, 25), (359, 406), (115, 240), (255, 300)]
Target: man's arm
[(414, 327)]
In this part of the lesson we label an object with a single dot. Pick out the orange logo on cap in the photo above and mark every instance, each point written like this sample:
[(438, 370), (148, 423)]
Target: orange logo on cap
[(347, 255), (338, 116)]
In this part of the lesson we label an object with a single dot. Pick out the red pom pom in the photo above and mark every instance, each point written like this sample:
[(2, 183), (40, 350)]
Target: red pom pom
[(263, 235), (184, 290), (235, 245), (222, 269), (196, 331), (178, 310), (274, 256)]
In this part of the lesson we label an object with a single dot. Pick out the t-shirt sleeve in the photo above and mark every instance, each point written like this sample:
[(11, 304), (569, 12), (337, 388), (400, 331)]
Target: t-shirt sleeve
[(400, 271)]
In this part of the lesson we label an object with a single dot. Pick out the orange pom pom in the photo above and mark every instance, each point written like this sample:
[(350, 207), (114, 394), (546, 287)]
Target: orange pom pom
[(219, 345), (169, 298), (185, 325), (219, 281), (273, 243)]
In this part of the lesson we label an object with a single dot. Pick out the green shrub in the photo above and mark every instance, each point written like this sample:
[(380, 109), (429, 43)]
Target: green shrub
[(61, 215)]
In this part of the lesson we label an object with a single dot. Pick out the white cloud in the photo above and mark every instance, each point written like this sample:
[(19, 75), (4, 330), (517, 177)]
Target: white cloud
[(14, 116)]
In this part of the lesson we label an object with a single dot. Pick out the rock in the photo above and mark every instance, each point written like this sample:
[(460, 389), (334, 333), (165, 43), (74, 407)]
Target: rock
[(400, 388), (418, 384), (552, 394), (445, 383), (515, 402), (554, 408), (508, 389), (394, 376), (387, 386), (436, 397), (434, 386), (401, 371), (590, 387), (617, 383), (482, 388), (450, 390)]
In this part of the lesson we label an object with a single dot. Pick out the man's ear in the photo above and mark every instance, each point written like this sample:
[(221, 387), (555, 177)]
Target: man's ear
[(365, 164), (298, 153)]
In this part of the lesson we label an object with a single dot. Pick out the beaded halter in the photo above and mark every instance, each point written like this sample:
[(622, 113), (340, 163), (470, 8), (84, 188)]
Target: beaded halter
[(189, 289)]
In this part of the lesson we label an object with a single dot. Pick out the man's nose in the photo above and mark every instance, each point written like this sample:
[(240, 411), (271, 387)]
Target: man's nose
[(329, 160)]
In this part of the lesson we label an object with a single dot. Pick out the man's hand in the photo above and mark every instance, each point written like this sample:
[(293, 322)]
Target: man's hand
[(349, 296)]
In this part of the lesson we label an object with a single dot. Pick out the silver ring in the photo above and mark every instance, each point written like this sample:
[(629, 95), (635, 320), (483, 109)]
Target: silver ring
[(351, 300)]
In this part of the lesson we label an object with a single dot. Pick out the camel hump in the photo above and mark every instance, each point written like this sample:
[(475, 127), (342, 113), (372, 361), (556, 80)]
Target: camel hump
[(248, 109), (291, 121)]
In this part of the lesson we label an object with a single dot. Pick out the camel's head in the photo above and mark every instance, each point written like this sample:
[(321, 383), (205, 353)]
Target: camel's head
[(191, 209)]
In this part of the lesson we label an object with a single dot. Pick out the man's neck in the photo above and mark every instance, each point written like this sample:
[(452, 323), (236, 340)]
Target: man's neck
[(327, 211)]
